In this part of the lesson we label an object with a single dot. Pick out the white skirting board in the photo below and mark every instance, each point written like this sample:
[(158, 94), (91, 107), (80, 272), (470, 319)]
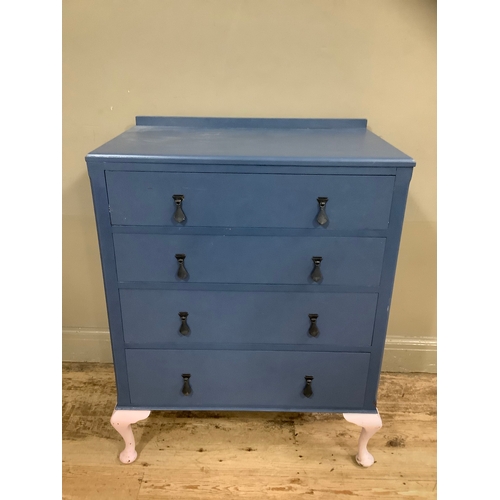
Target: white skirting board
[(402, 354)]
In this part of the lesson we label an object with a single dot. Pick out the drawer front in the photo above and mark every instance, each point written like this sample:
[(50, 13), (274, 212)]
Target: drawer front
[(249, 200), (152, 316), (249, 259), (246, 379)]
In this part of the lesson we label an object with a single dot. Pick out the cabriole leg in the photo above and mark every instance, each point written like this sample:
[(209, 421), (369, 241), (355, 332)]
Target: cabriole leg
[(370, 423), (121, 420)]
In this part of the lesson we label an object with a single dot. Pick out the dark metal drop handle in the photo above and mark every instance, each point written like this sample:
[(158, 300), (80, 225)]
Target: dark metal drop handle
[(184, 329), (179, 215), (322, 218), (316, 272), (313, 329), (307, 391), (181, 272), (186, 388)]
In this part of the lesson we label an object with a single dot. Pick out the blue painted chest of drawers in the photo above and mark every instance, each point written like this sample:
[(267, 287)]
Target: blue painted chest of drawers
[(248, 263)]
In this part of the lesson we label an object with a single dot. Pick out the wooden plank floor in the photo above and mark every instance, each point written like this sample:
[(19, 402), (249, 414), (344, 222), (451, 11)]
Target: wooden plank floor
[(219, 455)]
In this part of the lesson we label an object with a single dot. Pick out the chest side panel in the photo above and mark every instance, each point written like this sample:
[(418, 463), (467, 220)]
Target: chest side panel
[(400, 194), (106, 248)]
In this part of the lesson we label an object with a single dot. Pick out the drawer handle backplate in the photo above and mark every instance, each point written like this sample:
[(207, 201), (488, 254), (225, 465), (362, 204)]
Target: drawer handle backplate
[(184, 329), (313, 329), (181, 272), (322, 218), (179, 215), (316, 272), (186, 388), (308, 392)]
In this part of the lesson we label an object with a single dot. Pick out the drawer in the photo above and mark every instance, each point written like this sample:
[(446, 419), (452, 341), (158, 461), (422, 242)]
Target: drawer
[(249, 200), (249, 259), (228, 379), (153, 317)]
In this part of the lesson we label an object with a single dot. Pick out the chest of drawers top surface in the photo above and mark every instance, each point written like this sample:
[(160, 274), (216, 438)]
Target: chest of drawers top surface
[(339, 142), (242, 256)]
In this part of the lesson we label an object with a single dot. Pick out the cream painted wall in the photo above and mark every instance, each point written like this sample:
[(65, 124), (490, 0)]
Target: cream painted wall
[(267, 58)]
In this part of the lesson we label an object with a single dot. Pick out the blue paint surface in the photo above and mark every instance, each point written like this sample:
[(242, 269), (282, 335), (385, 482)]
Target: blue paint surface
[(249, 259), (250, 190), (262, 141), (258, 379), (250, 200), (344, 319)]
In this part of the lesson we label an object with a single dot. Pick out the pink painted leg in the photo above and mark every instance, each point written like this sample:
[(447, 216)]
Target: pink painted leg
[(370, 423), (121, 420)]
